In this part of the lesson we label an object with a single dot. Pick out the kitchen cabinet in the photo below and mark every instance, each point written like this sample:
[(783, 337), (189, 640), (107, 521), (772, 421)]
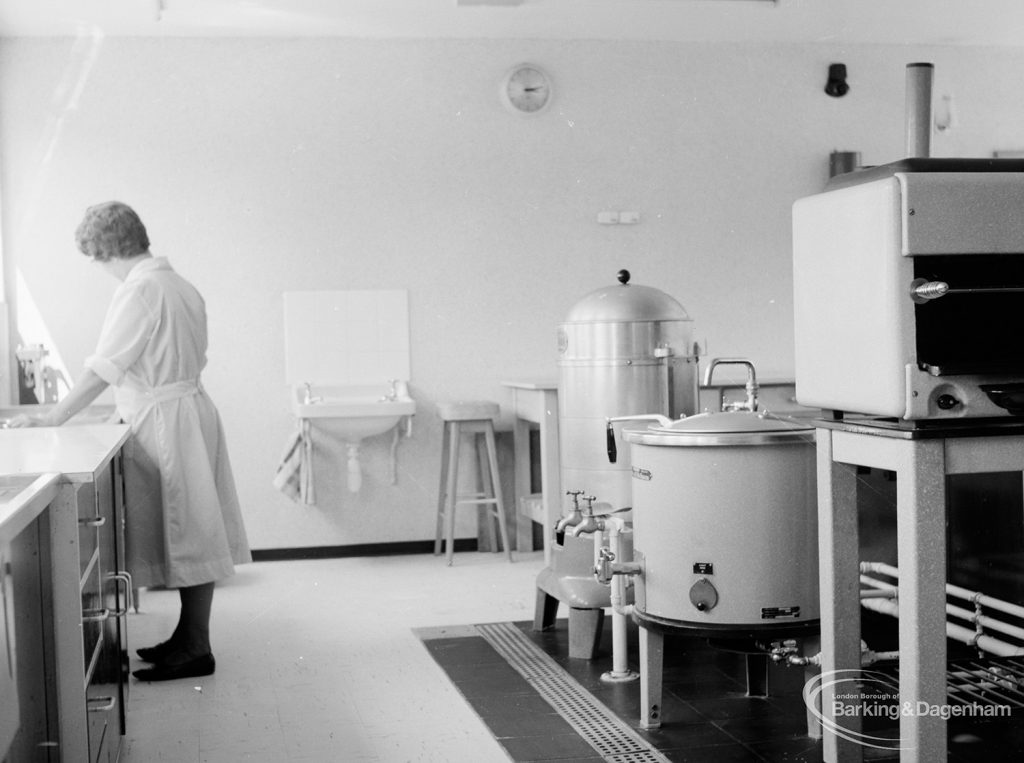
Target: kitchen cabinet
[(24, 502), (8, 666), (73, 706), (105, 589)]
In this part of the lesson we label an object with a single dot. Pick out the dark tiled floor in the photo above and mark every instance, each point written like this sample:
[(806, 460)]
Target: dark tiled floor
[(707, 717)]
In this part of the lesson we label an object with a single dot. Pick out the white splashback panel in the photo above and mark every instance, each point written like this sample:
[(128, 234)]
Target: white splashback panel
[(346, 337)]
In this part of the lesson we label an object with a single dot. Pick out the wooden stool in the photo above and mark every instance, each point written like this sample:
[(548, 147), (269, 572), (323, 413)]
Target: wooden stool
[(474, 418)]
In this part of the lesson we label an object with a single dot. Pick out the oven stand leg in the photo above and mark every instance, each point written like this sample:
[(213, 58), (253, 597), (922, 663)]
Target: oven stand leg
[(812, 645)]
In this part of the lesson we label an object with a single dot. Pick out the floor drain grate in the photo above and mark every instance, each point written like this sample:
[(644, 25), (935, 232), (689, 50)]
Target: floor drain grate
[(600, 727)]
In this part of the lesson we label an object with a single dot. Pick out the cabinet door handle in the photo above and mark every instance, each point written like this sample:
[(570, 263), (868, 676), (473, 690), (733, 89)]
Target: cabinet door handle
[(93, 522), (93, 703), (95, 615), (123, 577)]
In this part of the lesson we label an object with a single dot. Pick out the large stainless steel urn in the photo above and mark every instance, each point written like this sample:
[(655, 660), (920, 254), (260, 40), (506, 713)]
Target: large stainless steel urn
[(623, 350)]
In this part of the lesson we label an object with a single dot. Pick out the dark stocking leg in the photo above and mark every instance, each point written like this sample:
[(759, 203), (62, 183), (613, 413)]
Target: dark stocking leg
[(192, 635), (188, 652)]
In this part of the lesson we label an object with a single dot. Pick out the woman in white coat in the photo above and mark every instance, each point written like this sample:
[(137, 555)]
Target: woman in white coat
[(183, 523)]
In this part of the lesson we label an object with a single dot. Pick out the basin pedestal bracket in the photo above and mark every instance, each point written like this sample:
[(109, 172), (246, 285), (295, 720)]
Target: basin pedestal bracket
[(403, 427), (353, 466), (355, 472)]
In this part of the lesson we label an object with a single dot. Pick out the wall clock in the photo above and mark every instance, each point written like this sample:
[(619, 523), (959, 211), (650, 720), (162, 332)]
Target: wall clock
[(526, 89)]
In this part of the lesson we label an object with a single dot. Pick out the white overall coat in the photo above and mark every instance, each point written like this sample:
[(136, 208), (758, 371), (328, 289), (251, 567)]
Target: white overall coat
[(183, 523)]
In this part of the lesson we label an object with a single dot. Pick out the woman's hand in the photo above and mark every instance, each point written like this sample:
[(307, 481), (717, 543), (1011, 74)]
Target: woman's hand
[(23, 420)]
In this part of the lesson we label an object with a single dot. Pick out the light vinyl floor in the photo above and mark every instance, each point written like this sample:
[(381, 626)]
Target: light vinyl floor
[(317, 661)]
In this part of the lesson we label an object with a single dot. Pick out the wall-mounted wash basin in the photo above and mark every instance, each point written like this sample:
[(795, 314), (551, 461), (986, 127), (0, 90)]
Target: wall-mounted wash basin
[(352, 413)]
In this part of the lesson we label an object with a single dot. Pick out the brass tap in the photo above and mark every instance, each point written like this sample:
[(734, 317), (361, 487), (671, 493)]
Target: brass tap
[(574, 517), (590, 523)]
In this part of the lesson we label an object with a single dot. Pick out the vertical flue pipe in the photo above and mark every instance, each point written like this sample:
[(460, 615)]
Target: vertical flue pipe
[(919, 109)]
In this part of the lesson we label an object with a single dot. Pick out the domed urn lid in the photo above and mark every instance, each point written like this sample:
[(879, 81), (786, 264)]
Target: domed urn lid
[(626, 303)]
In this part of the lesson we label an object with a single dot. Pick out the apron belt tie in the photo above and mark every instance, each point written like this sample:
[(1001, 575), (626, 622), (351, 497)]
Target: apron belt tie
[(166, 392)]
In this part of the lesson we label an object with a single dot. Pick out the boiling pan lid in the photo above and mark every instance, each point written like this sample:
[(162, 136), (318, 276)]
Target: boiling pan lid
[(725, 428), (626, 302)]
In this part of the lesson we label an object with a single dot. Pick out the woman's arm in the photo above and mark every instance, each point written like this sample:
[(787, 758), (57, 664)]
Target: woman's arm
[(88, 388)]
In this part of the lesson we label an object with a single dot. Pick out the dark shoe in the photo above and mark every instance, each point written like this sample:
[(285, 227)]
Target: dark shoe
[(200, 666), (155, 653)]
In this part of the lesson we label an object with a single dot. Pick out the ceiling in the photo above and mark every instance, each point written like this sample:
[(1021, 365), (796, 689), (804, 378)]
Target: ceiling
[(941, 22)]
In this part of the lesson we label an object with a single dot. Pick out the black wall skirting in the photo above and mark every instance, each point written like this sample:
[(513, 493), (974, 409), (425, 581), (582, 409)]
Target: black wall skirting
[(358, 549)]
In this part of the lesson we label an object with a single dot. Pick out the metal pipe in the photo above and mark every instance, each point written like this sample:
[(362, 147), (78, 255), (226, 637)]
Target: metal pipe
[(613, 451), (953, 631), (882, 567), (665, 421), (791, 658), (752, 388), (953, 590), (801, 660), (620, 610), (985, 601), (598, 545), (608, 570), (870, 657), (877, 593), (973, 616), (919, 109), (985, 643), (889, 605)]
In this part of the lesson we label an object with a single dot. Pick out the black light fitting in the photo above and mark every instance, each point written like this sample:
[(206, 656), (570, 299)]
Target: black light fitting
[(836, 85)]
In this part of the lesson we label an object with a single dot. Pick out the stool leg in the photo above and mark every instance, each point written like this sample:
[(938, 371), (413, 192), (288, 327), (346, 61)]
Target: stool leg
[(442, 491), (485, 489), (453, 482), (492, 454)]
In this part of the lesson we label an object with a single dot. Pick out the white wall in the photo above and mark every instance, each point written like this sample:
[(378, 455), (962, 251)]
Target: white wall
[(266, 166)]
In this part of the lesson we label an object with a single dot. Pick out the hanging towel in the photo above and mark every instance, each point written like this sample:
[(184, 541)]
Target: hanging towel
[(294, 475)]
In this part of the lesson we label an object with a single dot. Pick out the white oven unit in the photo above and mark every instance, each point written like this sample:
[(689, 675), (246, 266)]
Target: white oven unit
[(909, 291)]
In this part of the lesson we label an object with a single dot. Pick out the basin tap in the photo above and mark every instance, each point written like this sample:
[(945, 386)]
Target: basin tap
[(590, 523), (750, 404), (574, 517), (308, 396), (392, 393)]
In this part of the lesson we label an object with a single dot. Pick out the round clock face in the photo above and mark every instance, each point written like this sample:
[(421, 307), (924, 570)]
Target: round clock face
[(526, 88)]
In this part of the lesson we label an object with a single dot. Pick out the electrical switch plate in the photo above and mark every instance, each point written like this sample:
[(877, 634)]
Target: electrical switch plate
[(629, 218), (608, 218)]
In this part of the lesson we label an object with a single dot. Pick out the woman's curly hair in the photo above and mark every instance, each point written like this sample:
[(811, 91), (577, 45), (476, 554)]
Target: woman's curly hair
[(110, 231)]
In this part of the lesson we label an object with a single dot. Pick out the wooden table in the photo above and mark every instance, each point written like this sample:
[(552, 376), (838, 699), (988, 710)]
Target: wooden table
[(536, 402)]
